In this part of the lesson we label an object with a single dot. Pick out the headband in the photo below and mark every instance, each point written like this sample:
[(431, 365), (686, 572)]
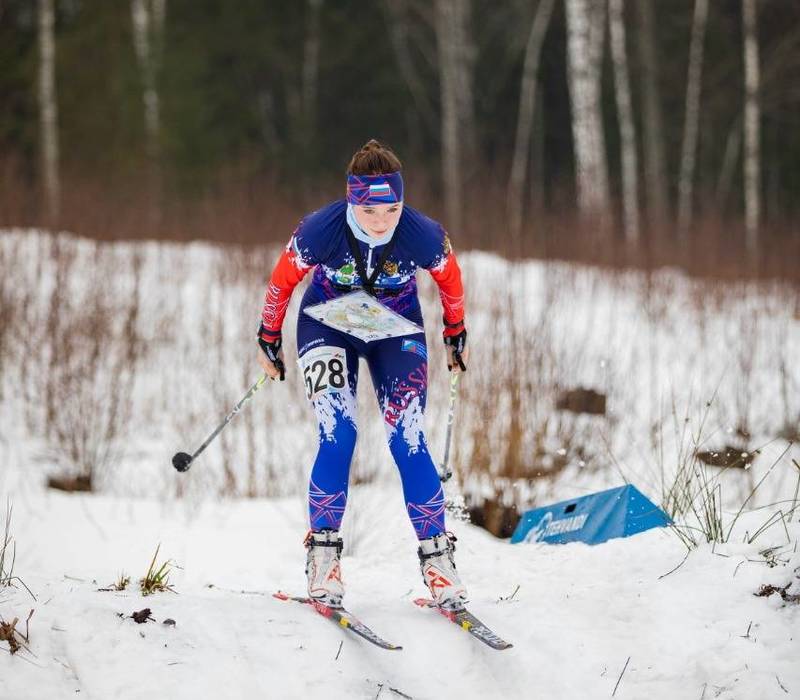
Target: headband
[(375, 189)]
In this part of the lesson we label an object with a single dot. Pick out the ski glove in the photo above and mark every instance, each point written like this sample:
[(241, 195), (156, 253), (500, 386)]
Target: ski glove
[(458, 342), (271, 349)]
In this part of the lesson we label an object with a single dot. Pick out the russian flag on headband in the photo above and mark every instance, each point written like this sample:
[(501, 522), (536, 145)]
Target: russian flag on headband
[(375, 189), (382, 190)]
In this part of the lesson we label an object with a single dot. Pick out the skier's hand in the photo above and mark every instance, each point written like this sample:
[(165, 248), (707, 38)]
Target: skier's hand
[(457, 352), (271, 357)]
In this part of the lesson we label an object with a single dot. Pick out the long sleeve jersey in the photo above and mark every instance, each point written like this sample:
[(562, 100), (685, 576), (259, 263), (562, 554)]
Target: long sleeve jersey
[(320, 243)]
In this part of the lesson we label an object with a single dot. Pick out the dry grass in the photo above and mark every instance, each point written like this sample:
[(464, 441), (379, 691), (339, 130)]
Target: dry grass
[(89, 359), (12, 636), (110, 345), (8, 556), (156, 580), (240, 207)]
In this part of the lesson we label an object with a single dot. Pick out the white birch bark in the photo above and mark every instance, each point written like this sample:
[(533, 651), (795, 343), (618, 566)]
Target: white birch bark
[(585, 32), (48, 110), (691, 119), (525, 118), (630, 174), (752, 126), (456, 57), (652, 130), (148, 23)]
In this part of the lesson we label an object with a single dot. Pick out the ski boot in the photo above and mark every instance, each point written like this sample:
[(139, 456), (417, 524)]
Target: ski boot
[(324, 550), (439, 571)]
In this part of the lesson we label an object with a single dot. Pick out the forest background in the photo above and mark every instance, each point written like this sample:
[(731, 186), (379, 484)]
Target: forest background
[(642, 132)]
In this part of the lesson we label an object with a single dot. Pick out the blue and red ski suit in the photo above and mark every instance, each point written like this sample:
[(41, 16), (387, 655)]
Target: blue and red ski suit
[(398, 366)]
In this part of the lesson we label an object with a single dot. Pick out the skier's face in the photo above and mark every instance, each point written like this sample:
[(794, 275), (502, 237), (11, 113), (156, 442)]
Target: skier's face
[(378, 219)]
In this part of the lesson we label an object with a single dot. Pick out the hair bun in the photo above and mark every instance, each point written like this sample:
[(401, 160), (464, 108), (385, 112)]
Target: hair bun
[(374, 158)]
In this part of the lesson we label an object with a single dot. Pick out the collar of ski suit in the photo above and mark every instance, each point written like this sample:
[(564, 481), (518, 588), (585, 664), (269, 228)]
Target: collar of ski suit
[(362, 235)]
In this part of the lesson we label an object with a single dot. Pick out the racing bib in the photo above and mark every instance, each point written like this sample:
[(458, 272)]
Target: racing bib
[(324, 370)]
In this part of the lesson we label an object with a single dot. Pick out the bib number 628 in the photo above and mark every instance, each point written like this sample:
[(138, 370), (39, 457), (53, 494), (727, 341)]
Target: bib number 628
[(324, 370)]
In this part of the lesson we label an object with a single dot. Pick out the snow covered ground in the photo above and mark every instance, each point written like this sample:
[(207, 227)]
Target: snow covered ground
[(117, 356), (580, 614), (154, 343)]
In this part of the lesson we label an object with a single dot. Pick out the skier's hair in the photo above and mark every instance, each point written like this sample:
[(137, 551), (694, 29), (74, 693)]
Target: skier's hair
[(373, 158)]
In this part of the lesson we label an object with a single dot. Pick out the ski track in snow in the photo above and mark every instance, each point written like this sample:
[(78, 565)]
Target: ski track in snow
[(579, 614)]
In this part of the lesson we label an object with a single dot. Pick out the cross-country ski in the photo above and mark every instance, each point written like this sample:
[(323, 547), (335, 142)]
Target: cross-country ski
[(343, 618), (467, 621)]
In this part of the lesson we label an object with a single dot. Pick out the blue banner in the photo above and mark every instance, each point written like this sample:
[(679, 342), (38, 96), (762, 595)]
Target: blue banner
[(618, 512)]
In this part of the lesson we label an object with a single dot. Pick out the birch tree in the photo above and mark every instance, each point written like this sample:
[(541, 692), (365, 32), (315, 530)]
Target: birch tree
[(456, 57), (630, 174), (48, 110), (148, 26), (652, 127), (691, 119), (148, 30), (525, 118), (585, 35), (752, 127)]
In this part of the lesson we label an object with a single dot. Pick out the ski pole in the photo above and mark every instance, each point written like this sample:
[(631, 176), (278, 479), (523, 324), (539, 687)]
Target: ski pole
[(182, 461), (446, 472)]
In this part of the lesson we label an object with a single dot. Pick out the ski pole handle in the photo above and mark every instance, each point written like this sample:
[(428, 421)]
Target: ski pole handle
[(182, 461), (446, 472)]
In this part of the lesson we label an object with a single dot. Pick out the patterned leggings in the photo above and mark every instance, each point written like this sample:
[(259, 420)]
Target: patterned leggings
[(399, 369)]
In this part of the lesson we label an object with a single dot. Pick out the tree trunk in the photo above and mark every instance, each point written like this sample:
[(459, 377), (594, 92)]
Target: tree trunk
[(148, 22), (585, 31), (752, 127), (630, 172), (396, 15), (691, 120), (733, 144), (148, 31), (458, 121), (654, 161), (48, 111), (525, 117), (311, 69)]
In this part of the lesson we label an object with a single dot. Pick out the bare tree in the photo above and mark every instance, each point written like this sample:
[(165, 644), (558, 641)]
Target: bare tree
[(397, 22), (691, 119), (585, 35), (456, 58), (311, 66), (148, 25), (148, 32), (630, 168), (752, 126), (652, 129), (525, 118), (48, 110)]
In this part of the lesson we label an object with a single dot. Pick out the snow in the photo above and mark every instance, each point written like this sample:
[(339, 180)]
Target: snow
[(579, 614), (638, 615)]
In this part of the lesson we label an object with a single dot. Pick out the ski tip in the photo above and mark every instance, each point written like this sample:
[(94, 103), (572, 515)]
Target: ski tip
[(280, 595)]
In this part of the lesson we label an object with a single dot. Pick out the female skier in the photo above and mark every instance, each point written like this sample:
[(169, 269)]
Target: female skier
[(372, 241)]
